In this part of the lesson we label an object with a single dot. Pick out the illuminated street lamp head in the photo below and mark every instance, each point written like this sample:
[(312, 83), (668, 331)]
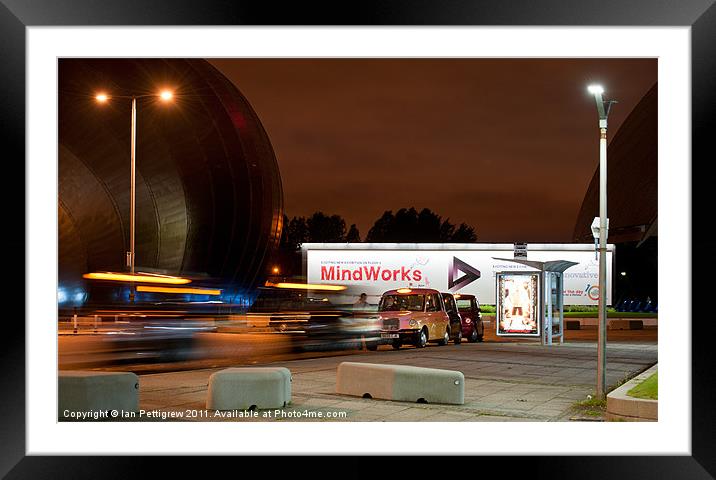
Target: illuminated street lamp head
[(166, 95), (101, 97), (602, 106)]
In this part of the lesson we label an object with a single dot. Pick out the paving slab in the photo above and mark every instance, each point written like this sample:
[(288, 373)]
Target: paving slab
[(503, 382)]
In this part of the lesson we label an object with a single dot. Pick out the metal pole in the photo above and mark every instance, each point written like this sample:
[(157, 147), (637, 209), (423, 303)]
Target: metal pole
[(560, 293), (548, 300), (132, 196), (602, 340)]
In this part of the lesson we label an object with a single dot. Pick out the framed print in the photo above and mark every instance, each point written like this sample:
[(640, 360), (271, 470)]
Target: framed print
[(199, 246)]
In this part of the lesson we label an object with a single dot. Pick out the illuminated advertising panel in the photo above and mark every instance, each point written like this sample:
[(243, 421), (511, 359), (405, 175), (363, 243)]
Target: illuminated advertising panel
[(374, 268), (518, 304)]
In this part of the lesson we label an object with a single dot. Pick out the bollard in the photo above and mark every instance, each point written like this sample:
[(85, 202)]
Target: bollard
[(401, 382), (74, 320), (80, 391), (249, 388)]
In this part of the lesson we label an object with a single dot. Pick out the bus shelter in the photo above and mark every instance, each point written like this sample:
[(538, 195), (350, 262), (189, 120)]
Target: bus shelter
[(531, 303)]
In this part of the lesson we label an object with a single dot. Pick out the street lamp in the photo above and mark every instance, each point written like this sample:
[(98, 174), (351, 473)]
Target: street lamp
[(603, 108), (102, 97)]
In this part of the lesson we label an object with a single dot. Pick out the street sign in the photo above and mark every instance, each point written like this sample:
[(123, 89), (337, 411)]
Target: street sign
[(520, 250)]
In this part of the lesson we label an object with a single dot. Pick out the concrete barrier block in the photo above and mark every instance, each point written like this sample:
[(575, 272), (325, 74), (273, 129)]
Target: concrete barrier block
[(363, 379), (245, 388), (636, 325), (80, 391), (401, 382)]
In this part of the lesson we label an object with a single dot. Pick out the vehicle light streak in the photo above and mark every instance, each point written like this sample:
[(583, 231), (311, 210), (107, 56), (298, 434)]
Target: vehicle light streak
[(307, 286), (198, 291), (140, 278)]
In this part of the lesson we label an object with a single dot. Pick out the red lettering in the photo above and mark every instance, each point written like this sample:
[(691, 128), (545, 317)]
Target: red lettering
[(405, 274), (417, 275), (345, 274), (358, 275), (385, 277), (371, 273), (327, 273)]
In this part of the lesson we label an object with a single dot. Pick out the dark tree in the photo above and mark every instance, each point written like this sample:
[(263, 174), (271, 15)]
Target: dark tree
[(353, 235), (407, 225), (381, 229), (322, 228), (428, 227), (447, 230), (464, 234), (296, 233)]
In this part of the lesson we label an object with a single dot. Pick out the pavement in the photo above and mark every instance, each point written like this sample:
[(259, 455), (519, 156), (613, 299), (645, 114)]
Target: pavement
[(504, 381)]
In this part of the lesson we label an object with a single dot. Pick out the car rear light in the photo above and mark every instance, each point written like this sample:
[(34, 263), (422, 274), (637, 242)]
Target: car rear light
[(467, 320)]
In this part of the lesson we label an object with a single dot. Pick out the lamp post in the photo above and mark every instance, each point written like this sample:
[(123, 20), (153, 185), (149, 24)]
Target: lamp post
[(603, 110), (165, 96)]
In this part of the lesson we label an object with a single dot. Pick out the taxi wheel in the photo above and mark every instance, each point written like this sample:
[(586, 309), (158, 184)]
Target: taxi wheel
[(396, 345), (458, 337), (372, 346), (473, 335), (422, 338)]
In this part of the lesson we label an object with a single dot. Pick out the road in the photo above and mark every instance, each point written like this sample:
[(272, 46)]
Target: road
[(102, 351)]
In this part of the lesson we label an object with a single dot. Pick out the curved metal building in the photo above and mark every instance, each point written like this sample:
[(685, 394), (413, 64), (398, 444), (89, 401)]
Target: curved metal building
[(209, 202)]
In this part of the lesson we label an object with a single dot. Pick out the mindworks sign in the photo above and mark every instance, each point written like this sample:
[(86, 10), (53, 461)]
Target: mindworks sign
[(374, 270)]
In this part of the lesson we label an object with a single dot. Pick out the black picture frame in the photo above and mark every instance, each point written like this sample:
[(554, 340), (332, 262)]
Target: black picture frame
[(699, 15)]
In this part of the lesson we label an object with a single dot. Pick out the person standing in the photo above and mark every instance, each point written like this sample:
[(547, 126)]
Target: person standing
[(362, 302)]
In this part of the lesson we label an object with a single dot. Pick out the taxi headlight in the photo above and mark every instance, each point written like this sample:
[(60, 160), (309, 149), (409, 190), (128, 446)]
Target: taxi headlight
[(413, 323)]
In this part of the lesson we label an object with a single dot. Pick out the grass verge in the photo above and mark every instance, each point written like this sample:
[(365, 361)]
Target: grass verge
[(647, 389)]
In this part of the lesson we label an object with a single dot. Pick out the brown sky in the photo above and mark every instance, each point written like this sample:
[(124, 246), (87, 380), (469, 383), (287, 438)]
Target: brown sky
[(507, 146)]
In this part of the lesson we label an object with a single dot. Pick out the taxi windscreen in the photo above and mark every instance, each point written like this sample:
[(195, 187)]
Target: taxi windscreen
[(392, 303)]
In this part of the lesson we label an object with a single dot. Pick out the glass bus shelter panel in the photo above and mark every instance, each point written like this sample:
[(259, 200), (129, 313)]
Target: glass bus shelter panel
[(555, 289)]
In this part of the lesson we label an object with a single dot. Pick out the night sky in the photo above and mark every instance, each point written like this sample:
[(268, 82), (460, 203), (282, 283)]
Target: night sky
[(508, 146)]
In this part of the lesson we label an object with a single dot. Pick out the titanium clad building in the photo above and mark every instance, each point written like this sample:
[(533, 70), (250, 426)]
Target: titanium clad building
[(209, 203)]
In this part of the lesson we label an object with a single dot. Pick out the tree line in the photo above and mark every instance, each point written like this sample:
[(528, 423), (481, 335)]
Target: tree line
[(406, 225)]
